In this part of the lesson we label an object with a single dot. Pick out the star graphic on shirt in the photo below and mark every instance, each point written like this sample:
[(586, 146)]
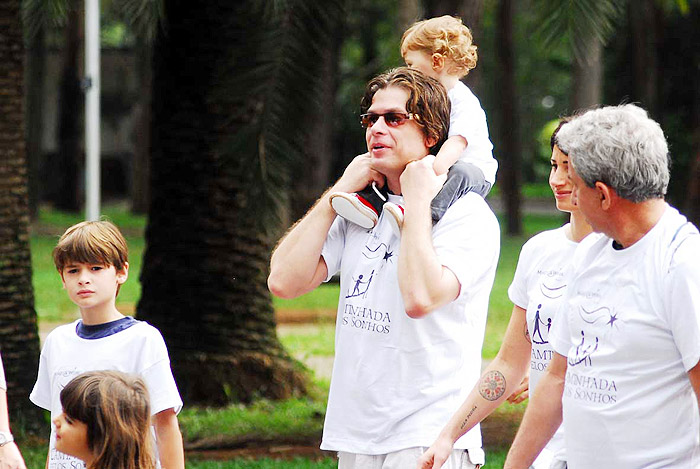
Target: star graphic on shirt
[(613, 318), (388, 255)]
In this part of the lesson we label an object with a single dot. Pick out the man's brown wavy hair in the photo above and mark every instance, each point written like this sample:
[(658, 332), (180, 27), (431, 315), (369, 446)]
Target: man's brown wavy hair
[(427, 99)]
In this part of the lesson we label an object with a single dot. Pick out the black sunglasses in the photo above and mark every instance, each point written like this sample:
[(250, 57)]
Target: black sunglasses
[(392, 119)]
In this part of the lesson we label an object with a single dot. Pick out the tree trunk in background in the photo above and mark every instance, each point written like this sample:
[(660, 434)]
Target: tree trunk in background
[(587, 78), (692, 203), (207, 256), (314, 175), (140, 192), (644, 17), (471, 12), (36, 67), (509, 153), (18, 325), (70, 117), (410, 11)]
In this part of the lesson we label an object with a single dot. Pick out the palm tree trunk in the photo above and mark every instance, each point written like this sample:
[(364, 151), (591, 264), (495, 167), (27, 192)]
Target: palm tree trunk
[(18, 326), (587, 78), (141, 176), (644, 17), (206, 261), (36, 68), (70, 113), (471, 12), (510, 157)]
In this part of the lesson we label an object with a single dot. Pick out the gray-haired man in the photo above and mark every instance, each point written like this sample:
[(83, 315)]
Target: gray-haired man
[(628, 343)]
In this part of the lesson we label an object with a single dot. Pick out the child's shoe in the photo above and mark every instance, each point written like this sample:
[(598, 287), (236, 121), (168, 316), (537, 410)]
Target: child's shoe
[(395, 217), (354, 208)]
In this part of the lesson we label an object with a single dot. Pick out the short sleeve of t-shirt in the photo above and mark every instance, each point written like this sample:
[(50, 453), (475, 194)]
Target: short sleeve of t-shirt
[(159, 377), (466, 114), (682, 300), (467, 239), (41, 393), (332, 251), (517, 292)]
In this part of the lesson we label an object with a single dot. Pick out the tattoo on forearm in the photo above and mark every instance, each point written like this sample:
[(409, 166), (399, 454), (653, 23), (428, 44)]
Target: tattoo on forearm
[(464, 423), (492, 385), (527, 334)]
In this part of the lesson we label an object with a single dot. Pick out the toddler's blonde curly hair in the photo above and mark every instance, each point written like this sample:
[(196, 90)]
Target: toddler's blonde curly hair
[(445, 35)]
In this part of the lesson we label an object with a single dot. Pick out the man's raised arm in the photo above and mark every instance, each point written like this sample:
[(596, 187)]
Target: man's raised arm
[(425, 283), (297, 266)]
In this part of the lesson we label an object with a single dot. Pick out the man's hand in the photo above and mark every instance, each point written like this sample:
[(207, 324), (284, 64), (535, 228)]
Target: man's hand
[(522, 392), (11, 458), (419, 183), (436, 455), (358, 175)]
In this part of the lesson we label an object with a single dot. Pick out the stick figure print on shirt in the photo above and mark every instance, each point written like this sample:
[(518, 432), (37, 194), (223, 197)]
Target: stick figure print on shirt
[(536, 331), (584, 352), (357, 290)]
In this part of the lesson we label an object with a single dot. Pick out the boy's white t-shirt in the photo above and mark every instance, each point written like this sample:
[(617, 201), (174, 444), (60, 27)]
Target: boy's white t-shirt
[(630, 331), (397, 380), (468, 119), (138, 350), (538, 286)]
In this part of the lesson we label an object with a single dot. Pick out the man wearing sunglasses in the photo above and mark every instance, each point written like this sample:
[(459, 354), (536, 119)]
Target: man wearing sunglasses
[(412, 309)]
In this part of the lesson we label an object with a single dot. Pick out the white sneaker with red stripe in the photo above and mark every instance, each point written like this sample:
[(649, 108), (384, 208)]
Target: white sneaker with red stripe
[(395, 212), (354, 208)]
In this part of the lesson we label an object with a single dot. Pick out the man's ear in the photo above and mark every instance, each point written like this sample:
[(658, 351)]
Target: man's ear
[(437, 62), (430, 142), (606, 194), (123, 274)]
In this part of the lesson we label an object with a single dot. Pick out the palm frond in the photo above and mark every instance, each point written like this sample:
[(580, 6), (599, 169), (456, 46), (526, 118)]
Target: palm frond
[(578, 22), (38, 14), (282, 67), (143, 16)]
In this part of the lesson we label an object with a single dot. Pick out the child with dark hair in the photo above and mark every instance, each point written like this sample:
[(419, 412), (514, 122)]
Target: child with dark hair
[(106, 421)]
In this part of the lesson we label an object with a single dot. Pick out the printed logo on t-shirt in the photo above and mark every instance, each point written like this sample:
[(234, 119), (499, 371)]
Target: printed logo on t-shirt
[(599, 325), (537, 324), (552, 286), (58, 460), (357, 313)]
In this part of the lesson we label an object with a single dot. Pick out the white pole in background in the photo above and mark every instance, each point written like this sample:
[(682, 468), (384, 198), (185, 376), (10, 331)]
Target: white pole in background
[(92, 109)]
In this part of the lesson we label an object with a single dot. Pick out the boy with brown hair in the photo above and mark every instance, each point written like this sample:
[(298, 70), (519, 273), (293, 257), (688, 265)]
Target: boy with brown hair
[(442, 48), (92, 259)]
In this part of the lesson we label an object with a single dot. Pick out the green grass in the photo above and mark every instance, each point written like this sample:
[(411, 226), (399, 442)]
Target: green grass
[(296, 417), (302, 342), (531, 190), (323, 298), (297, 463)]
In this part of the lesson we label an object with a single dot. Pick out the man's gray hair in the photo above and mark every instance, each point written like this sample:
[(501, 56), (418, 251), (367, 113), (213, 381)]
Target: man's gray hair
[(620, 146)]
